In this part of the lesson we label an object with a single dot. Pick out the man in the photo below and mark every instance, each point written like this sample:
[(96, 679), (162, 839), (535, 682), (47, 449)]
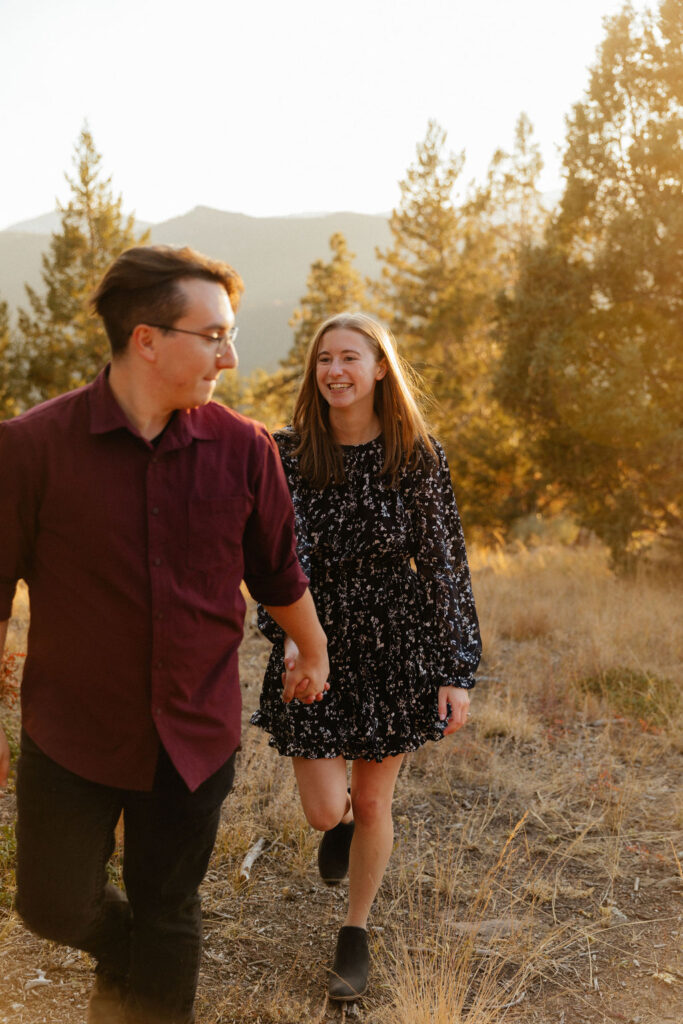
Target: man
[(133, 508)]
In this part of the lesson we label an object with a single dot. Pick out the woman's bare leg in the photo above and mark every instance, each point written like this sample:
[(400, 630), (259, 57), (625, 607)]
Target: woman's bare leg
[(372, 792), (322, 788)]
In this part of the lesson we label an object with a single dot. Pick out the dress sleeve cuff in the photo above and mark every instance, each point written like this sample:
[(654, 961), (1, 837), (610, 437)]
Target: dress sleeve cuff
[(462, 683)]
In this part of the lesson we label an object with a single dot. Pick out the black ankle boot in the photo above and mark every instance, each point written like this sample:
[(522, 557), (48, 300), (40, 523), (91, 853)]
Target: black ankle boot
[(333, 853), (348, 978)]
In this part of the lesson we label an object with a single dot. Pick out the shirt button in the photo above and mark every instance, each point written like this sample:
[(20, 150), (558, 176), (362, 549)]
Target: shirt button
[(157, 711), (159, 664), (157, 561), (158, 615), (155, 511)]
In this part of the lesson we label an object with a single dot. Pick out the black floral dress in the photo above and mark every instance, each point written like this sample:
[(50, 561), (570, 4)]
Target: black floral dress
[(389, 576)]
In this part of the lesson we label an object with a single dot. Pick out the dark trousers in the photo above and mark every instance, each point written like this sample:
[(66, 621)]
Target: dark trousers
[(148, 942)]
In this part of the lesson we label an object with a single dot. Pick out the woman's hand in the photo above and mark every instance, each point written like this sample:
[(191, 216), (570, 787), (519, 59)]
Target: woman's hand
[(292, 659), (459, 700)]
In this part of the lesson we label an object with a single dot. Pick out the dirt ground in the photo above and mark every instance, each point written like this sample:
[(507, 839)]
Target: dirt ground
[(535, 877)]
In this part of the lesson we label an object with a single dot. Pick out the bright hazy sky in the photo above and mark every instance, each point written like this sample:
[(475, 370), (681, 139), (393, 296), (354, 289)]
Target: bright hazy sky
[(278, 106)]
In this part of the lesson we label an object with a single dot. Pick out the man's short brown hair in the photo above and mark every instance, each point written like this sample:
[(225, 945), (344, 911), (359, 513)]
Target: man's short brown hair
[(141, 286)]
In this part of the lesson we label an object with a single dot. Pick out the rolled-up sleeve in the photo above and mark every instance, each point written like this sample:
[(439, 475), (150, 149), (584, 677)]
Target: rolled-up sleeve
[(18, 513), (272, 571)]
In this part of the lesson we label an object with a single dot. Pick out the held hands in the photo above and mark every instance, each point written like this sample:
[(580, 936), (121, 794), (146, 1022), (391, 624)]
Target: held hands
[(304, 677), (459, 701)]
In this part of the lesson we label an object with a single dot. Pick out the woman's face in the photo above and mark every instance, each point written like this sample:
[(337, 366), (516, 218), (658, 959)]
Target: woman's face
[(347, 370)]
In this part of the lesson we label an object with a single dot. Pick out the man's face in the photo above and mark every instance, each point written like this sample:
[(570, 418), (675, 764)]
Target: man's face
[(187, 365)]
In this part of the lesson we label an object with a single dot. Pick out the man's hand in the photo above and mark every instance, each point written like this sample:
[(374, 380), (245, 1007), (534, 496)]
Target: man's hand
[(4, 758), (305, 675), (459, 700)]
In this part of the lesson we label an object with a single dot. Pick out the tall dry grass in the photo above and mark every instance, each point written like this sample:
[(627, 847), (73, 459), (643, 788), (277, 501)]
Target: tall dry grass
[(518, 841), (556, 624), (513, 838)]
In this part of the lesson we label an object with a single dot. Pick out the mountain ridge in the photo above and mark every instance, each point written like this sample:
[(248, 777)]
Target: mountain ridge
[(272, 254)]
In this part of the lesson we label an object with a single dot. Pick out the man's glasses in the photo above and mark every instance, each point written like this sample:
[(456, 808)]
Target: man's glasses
[(220, 340)]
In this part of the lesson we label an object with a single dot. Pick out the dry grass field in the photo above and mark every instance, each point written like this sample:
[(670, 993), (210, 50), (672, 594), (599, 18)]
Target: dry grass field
[(536, 875)]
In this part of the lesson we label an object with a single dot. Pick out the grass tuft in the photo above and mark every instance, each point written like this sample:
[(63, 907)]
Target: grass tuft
[(635, 694)]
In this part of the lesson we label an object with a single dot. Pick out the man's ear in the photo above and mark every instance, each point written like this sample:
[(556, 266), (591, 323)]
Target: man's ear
[(143, 340)]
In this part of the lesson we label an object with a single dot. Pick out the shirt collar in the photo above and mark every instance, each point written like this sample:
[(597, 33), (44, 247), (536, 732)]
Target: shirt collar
[(105, 412), (186, 426)]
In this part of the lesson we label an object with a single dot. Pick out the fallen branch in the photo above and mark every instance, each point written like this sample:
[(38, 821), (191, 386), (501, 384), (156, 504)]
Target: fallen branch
[(514, 1002), (252, 855), (35, 982)]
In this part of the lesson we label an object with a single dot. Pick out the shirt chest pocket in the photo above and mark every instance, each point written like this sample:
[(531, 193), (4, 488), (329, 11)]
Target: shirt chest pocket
[(215, 533)]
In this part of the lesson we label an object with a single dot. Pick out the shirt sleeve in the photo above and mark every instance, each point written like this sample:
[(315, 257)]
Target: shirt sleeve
[(451, 624), (271, 568), (266, 624), (18, 513)]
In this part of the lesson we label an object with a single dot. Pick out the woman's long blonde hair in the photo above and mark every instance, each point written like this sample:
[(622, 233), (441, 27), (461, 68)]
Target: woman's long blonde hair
[(406, 437)]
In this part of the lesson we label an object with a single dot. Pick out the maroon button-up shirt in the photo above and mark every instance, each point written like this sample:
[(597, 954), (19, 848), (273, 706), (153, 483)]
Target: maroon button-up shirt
[(134, 554)]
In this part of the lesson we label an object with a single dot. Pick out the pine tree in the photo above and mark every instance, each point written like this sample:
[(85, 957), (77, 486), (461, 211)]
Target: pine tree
[(593, 361), (419, 279), (8, 405), (63, 346), (511, 199), (333, 287), (437, 289)]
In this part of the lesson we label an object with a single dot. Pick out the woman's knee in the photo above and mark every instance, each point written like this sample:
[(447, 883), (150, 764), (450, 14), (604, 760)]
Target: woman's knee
[(370, 808), (322, 788), (324, 812), (324, 817)]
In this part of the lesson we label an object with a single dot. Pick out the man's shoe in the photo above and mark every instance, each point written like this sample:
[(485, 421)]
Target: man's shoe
[(333, 853), (106, 1003), (348, 978)]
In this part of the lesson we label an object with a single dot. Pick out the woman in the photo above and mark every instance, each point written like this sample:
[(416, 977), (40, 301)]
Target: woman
[(373, 498)]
